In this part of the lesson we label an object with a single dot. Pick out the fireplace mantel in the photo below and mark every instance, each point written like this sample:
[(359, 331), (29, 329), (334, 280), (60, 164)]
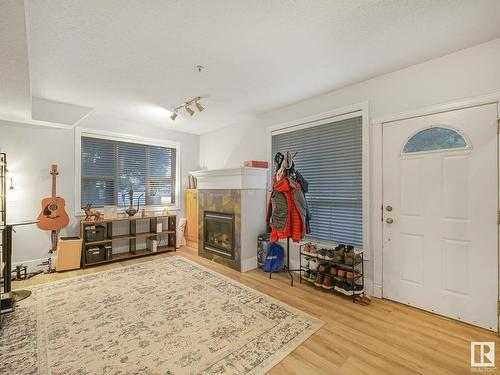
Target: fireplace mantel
[(242, 178)]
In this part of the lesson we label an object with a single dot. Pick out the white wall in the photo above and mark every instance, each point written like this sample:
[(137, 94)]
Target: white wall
[(471, 72), (30, 152)]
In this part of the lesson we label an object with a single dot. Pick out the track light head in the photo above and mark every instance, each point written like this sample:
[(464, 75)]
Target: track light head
[(173, 116), (189, 110), (199, 106)]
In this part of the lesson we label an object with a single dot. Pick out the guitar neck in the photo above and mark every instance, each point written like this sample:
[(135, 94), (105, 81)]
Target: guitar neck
[(54, 186)]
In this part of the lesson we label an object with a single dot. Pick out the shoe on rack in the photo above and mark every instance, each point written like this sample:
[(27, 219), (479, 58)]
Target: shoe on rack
[(328, 282), (322, 253), (341, 273), (305, 261), (351, 258), (313, 264), (306, 275), (330, 254), (323, 267), (338, 256), (319, 279), (350, 275), (307, 248), (334, 270), (349, 288), (314, 252), (312, 277)]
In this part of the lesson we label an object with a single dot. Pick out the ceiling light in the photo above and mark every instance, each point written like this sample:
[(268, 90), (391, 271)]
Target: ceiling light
[(173, 116), (189, 110), (199, 107)]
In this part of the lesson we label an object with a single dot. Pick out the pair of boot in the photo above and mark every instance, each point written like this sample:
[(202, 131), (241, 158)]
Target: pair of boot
[(351, 258), (324, 281)]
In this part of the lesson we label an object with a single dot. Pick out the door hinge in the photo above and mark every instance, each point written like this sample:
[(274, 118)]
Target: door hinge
[(498, 217), (498, 307), (498, 126), (382, 213)]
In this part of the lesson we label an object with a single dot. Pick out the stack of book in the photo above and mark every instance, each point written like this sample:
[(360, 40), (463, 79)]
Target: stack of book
[(192, 183)]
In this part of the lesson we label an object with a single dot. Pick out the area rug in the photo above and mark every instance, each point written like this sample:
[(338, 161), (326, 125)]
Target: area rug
[(168, 316)]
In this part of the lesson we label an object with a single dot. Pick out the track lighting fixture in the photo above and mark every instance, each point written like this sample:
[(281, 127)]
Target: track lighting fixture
[(199, 106), (187, 107)]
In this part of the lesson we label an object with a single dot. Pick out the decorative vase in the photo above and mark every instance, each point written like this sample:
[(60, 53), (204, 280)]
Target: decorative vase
[(131, 211)]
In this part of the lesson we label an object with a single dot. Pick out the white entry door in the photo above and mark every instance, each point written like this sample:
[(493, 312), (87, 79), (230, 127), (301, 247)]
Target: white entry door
[(440, 195)]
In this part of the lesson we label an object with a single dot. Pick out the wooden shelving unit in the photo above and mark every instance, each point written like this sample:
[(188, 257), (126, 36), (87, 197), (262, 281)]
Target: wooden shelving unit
[(167, 235)]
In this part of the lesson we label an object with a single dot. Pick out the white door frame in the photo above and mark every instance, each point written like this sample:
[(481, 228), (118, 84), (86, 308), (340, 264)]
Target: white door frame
[(377, 178)]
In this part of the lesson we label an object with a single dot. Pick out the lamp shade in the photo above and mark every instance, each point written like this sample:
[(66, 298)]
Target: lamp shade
[(166, 201)]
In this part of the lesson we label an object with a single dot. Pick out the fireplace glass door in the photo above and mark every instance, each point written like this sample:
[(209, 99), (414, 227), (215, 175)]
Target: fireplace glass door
[(219, 233)]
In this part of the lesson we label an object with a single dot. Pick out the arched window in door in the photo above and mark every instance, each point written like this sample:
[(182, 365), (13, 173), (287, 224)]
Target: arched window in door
[(435, 138)]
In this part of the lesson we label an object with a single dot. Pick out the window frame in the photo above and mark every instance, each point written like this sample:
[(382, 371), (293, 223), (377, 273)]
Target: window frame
[(101, 134), (344, 113), (468, 145)]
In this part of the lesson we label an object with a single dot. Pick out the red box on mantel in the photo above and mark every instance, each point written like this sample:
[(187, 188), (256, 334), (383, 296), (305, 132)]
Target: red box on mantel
[(256, 164)]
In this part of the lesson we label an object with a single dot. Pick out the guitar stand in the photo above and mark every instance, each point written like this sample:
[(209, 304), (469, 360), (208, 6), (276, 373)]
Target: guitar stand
[(286, 268), (53, 238)]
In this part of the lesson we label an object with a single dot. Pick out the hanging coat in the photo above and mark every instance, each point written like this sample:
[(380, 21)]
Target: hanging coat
[(286, 210)]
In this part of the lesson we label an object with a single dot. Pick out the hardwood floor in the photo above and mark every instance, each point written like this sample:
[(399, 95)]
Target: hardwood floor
[(383, 338)]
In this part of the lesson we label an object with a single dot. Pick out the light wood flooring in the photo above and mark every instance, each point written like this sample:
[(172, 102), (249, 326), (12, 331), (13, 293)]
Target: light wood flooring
[(383, 338)]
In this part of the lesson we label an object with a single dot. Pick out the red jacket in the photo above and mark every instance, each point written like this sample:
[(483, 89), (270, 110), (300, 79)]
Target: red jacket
[(294, 226)]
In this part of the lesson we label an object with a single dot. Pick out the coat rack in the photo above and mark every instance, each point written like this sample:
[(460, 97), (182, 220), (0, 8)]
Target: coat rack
[(286, 268)]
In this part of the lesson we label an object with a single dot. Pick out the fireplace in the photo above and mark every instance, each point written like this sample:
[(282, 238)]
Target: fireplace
[(218, 233)]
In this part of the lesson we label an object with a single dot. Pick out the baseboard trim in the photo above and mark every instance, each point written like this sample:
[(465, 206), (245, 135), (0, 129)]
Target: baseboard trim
[(377, 290)]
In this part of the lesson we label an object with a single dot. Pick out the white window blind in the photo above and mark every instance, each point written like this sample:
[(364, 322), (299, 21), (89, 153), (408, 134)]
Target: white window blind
[(109, 168), (330, 157)]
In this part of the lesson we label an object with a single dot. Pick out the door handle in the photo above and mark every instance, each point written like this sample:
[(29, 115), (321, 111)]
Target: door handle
[(389, 220)]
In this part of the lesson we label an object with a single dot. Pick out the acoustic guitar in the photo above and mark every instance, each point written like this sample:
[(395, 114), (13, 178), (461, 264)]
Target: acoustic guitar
[(53, 216)]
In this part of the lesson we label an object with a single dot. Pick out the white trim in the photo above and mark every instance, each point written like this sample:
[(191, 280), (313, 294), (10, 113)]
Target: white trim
[(498, 208), (19, 121), (493, 98), (130, 138), (439, 108), (102, 134), (344, 113)]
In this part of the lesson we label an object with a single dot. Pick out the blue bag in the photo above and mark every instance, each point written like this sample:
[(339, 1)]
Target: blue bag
[(274, 258)]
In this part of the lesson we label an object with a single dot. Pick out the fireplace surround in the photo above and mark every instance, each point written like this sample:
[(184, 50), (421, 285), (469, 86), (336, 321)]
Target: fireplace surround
[(231, 215)]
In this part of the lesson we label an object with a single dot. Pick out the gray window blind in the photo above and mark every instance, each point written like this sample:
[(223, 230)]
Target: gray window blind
[(330, 158), (109, 168)]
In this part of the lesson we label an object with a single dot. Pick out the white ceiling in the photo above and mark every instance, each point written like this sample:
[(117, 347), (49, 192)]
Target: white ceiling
[(134, 60)]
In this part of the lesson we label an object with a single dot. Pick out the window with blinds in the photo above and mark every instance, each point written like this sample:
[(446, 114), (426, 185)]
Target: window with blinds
[(330, 157), (110, 168)]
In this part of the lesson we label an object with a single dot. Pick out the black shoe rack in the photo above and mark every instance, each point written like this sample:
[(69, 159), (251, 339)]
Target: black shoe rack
[(337, 282)]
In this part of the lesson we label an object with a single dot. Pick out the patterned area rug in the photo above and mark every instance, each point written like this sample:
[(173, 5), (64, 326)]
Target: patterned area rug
[(168, 316)]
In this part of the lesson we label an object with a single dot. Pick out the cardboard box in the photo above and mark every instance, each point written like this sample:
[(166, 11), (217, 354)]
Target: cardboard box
[(256, 164)]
